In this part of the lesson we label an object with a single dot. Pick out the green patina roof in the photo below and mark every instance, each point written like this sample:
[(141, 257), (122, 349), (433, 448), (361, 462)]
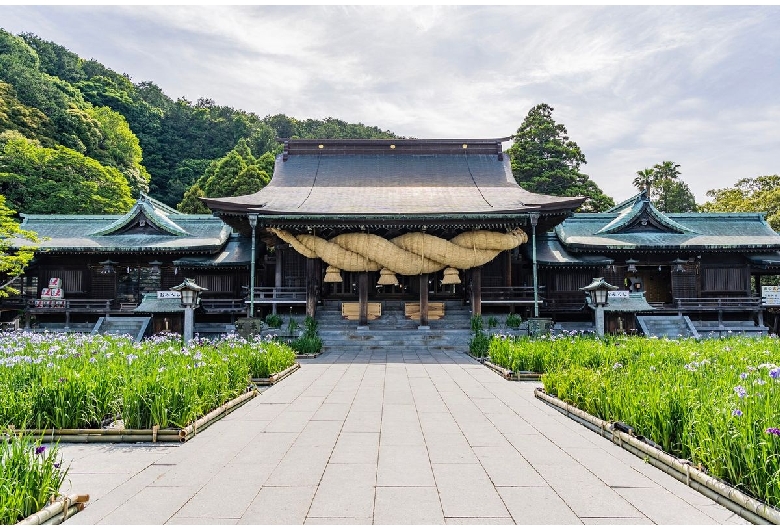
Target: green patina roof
[(640, 226), (152, 304), (642, 212), (633, 303), (166, 231), (145, 210)]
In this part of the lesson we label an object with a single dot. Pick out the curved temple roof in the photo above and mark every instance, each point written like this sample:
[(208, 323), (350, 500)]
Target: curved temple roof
[(392, 177)]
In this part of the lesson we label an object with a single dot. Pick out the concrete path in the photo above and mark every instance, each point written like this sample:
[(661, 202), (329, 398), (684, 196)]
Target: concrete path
[(385, 438)]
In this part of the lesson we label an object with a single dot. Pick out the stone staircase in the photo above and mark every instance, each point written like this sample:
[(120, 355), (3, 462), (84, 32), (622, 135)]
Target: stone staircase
[(393, 331), (133, 326), (671, 326)]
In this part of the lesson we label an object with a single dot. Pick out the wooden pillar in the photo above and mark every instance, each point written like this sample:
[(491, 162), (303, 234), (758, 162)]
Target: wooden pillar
[(423, 300), (312, 282), (476, 291), (277, 276), (508, 282), (363, 298)]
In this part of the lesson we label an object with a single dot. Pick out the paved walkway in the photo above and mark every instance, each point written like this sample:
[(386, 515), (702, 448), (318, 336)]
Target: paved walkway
[(380, 438)]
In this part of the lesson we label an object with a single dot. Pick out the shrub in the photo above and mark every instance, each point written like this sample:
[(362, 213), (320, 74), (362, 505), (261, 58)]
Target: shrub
[(274, 321), (513, 321)]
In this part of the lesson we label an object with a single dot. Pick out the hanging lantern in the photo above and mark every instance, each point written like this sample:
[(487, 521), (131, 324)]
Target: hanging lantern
[(332, 275), (387, 277), (451, 276), (108, 266)]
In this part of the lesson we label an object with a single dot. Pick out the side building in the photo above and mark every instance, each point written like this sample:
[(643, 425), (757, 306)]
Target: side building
[(90, 269), (419, 232)]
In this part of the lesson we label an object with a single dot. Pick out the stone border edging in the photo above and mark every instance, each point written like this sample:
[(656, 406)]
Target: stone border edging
[(513, 376), (724, 494), (275, 378), (154, 434), (308, 355), (58, 511)]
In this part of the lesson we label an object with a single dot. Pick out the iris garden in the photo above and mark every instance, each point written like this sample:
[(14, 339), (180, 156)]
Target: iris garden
[(713, 402), (57, 381)]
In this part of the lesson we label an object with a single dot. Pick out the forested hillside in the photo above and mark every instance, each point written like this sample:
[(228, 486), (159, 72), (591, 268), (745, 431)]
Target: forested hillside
[(82, 138)]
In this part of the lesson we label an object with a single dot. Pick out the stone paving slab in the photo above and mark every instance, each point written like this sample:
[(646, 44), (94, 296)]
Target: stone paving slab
[(384, 437)]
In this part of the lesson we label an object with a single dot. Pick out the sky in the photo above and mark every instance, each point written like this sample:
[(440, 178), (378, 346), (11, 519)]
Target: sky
[(634, 86)]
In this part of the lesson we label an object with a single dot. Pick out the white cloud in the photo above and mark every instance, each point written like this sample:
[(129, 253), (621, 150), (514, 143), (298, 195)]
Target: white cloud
[(633, 85)]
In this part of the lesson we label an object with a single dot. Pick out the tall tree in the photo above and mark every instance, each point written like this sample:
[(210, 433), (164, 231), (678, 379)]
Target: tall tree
[(760, 194), (12, 261), (37, 179), (237, 173), (667, 191), (545, 160)]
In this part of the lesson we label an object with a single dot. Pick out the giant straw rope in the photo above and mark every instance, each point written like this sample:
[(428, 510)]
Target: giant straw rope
[(410, 254)]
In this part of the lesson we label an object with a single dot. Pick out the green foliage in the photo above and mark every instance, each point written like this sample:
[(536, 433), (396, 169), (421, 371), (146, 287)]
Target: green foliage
[(760, 194), (73, 381), (667, 191), (41, 180), (513, 321), (49, 109), (545, 160), (309, 341), (479, 344), (272, 358), (477, 324), (237, 173), (31, 474), (274, 321), (51, 95), (713, 402), (13, 257), (492, 322)]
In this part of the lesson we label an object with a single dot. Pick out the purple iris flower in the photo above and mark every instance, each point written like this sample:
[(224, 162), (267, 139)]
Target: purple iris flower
[(773, 430), (774, 373), (736, 412), (40, 449), (740, 390)]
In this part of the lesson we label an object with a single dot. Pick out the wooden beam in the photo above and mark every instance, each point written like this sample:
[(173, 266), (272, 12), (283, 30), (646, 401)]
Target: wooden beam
[(423, 300)]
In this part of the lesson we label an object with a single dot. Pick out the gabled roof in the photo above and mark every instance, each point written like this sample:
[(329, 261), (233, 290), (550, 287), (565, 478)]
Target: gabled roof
[(642, 216), (146, 216), (163, 230), (600, 232), (363, 178)]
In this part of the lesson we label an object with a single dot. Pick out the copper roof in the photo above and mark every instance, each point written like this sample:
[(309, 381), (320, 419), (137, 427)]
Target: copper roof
[(392, 177)]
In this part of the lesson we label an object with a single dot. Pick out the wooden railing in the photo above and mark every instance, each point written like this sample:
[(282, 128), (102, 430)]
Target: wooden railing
[(733, 304), (510, 295), (223, 305), (279, 295), (72, 305)]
